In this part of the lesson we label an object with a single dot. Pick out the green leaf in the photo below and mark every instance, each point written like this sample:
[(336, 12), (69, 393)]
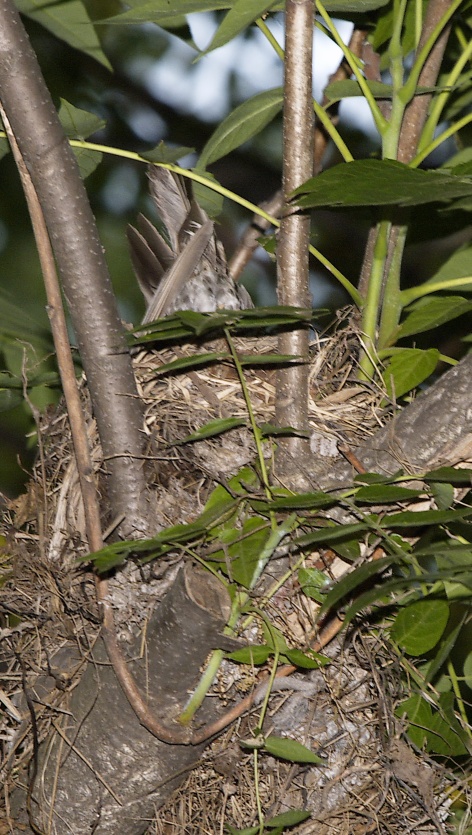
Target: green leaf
[(287, 819), (407, 368), (459, 265), (299, 501), (241, 15), (454, 475), (386, 493), (211, 429), (268, 430), (422, 518), (166, 153), (242, 550), (305, 661), (430, 313), (195, 361), (346, 89), (419, 626), (377, 478), (253, 360), (373, 182), (68, 21), (77, 123), (211, 201), (160, 11), (312, 582), (256, 654), (290, 749), (443, 494), (242, 124), (446, 733), (347, 583), (419, 715)]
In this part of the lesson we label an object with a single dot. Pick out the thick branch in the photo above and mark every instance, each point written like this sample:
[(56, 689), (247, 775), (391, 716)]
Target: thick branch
[(416, 112), (79, 255), (292, 252)]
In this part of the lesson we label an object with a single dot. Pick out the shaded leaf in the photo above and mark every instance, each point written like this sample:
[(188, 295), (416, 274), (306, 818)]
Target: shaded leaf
[(454, 475), (211, 429), (306, 661), (241, 15), (68, 21), (412, 519), (160, 11), (313, 582), (373, 182), (166, 153), (195, 361), (419, 626), (430, 313), (446, 733), (379, 494), (338, 90), (77, 123), (242, 124), (408, 368), (290, 749), (269, 430)]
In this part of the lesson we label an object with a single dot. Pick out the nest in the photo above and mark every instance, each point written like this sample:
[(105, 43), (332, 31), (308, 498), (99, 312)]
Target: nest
[(344, 711)]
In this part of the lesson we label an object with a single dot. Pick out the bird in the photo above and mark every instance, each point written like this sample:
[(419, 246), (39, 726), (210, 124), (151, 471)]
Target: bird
[(188, 271)]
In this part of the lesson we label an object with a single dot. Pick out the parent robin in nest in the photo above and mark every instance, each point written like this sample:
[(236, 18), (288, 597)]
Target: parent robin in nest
[(189, 271)]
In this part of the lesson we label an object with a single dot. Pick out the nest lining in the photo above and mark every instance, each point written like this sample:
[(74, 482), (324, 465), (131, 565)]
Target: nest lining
[(56, 599)]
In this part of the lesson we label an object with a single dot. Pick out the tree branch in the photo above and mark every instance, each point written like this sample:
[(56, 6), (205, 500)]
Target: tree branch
[(292, 250), (79, 255)]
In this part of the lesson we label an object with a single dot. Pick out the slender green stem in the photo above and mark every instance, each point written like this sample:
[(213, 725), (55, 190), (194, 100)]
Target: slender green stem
[(380, 121), (460, 701), (332, 132), (350, 289), (372, 306), (252, 419), (260, 815), (262, 25), (450, 131), (412, 293), (213, 665), (418, 21), (391, 134)]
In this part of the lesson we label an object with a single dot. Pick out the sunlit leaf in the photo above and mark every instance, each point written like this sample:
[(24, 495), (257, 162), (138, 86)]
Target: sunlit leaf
[(304, 660), (286, 819), (256, 654)]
